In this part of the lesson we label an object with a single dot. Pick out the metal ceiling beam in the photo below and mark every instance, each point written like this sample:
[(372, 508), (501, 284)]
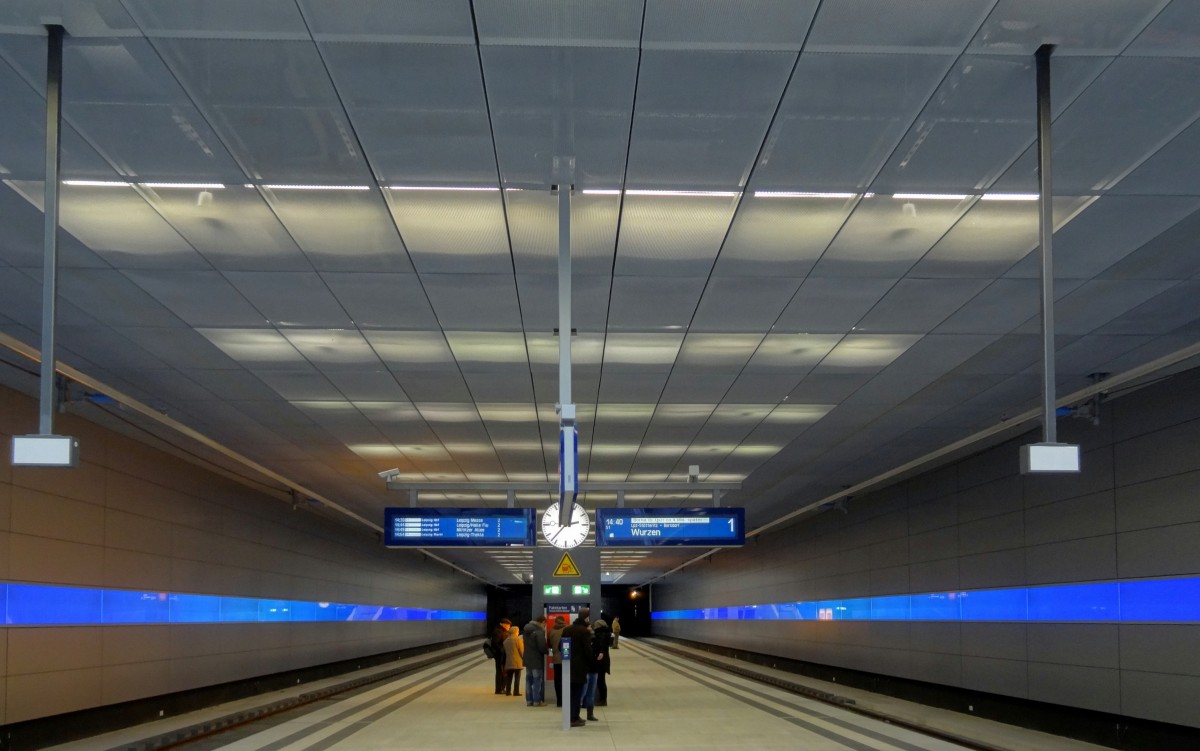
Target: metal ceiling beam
[(552, 487)]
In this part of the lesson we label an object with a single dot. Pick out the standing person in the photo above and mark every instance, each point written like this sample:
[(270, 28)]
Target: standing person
[(535, 662), (616, 629), (514, 661), (581, 657), (601, 640), (553, 641), (499, 634)]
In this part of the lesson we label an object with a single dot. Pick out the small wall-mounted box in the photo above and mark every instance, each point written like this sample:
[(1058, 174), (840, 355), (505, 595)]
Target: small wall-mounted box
[(1049, 457), (45, 451)]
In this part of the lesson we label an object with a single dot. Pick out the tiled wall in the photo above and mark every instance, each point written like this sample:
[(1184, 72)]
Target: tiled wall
[(1134, 512), (132, 517)]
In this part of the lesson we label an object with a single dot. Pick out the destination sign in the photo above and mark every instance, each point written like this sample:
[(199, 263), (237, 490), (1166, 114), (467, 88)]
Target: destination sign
[(458, 527), (700, 527)]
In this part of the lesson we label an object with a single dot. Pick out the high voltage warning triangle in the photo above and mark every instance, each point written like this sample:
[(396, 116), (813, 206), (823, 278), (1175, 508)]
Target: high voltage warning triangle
[(566, 567)]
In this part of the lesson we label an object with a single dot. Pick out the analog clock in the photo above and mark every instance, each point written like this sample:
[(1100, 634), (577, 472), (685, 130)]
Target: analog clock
[(572, 534)]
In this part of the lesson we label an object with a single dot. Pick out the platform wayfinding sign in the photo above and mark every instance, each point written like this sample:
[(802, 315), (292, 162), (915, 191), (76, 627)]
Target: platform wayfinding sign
[(700, 527), (458, 527)]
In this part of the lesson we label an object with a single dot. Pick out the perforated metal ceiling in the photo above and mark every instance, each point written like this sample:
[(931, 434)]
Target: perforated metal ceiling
[(323, 233)]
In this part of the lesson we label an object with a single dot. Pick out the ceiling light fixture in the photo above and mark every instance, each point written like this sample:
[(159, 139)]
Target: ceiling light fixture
[(799, 194), (185, 186), (661, 193), (930, 196), (449, 188), (318, 187), (1010, 196), (97, 183)]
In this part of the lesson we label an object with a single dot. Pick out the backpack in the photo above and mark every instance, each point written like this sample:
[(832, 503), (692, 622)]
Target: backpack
[(488, 649)]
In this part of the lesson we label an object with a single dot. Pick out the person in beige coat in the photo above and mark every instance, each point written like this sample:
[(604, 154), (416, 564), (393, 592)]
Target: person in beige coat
[(514, 661)]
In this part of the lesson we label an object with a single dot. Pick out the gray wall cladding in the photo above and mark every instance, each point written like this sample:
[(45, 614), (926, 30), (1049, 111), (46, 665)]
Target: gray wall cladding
[(132, 517), (1133, 512)]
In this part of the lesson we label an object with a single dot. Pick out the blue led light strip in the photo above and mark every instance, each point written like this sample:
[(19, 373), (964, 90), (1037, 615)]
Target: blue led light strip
[(41, 605), (1151, 600)]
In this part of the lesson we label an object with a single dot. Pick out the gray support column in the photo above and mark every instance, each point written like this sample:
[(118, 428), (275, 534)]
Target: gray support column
[(1046, 230), (54, 56)]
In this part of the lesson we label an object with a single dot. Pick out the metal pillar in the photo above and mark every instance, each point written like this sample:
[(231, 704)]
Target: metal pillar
[(568, 437), (54, 64), (1046, 229)]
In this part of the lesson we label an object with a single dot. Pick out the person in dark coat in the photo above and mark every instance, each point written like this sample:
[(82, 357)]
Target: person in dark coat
[(601, 643), (534, 637), (499, 634), (552, 642), (581, 661)]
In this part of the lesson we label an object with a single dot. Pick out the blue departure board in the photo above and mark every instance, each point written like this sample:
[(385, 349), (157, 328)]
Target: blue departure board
[(458, 527), (700, 527)]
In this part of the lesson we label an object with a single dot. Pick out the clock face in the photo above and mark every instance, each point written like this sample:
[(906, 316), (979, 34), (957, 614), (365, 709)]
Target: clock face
[(569, 536)]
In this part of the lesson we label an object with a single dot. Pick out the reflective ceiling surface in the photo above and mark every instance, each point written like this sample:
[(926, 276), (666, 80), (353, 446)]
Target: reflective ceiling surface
[(322, 233)]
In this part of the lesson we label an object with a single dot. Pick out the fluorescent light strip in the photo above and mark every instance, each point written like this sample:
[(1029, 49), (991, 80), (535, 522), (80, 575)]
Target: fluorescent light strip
[(447, 188), (1010, 197), (799, 194), (930, 196), (97, 183), (318, 187), (660, 193), (192, 186)]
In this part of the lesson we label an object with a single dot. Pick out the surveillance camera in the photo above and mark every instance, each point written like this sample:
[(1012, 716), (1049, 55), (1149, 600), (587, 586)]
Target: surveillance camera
[(390, 474)]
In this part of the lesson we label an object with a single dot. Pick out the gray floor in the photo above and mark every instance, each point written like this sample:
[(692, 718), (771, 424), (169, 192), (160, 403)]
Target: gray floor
[(658, 700)]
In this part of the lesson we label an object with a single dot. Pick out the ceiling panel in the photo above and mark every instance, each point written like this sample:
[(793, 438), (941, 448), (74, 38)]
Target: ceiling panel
[(781, 236), (1019, 27), (701, 117), (182, 347), (980, 119), (294, 299), (114, 300), (233, 228), (257, 349), (382, 301), (886, 235), (122, 228), (300, 385), (823, 140), (1168, 171), (1004, 305), (992, 236), (766, 388), (743, 303), (331, 350), (539, 303), (645, 303), (672, 234), (1106, 232), (200, 298), (423, 21), (1175, 31), (474, 302), (444, 230), (554, 103), (428, 384), (22, 86), (831, 304), (1171, 309), (575, 23), (22, 240), (341, 230), (919, 305), (743, 25), (927, 25), (793, 354), (427, 126), (533, 228), (267, 19), (1098, 302), (1106, 132), (366, 385)]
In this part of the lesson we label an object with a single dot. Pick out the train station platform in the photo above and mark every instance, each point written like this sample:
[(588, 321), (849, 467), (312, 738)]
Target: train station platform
[(662, 696)]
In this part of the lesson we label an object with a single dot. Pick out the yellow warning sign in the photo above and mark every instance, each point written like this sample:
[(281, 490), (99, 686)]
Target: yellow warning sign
[(566, 567)]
